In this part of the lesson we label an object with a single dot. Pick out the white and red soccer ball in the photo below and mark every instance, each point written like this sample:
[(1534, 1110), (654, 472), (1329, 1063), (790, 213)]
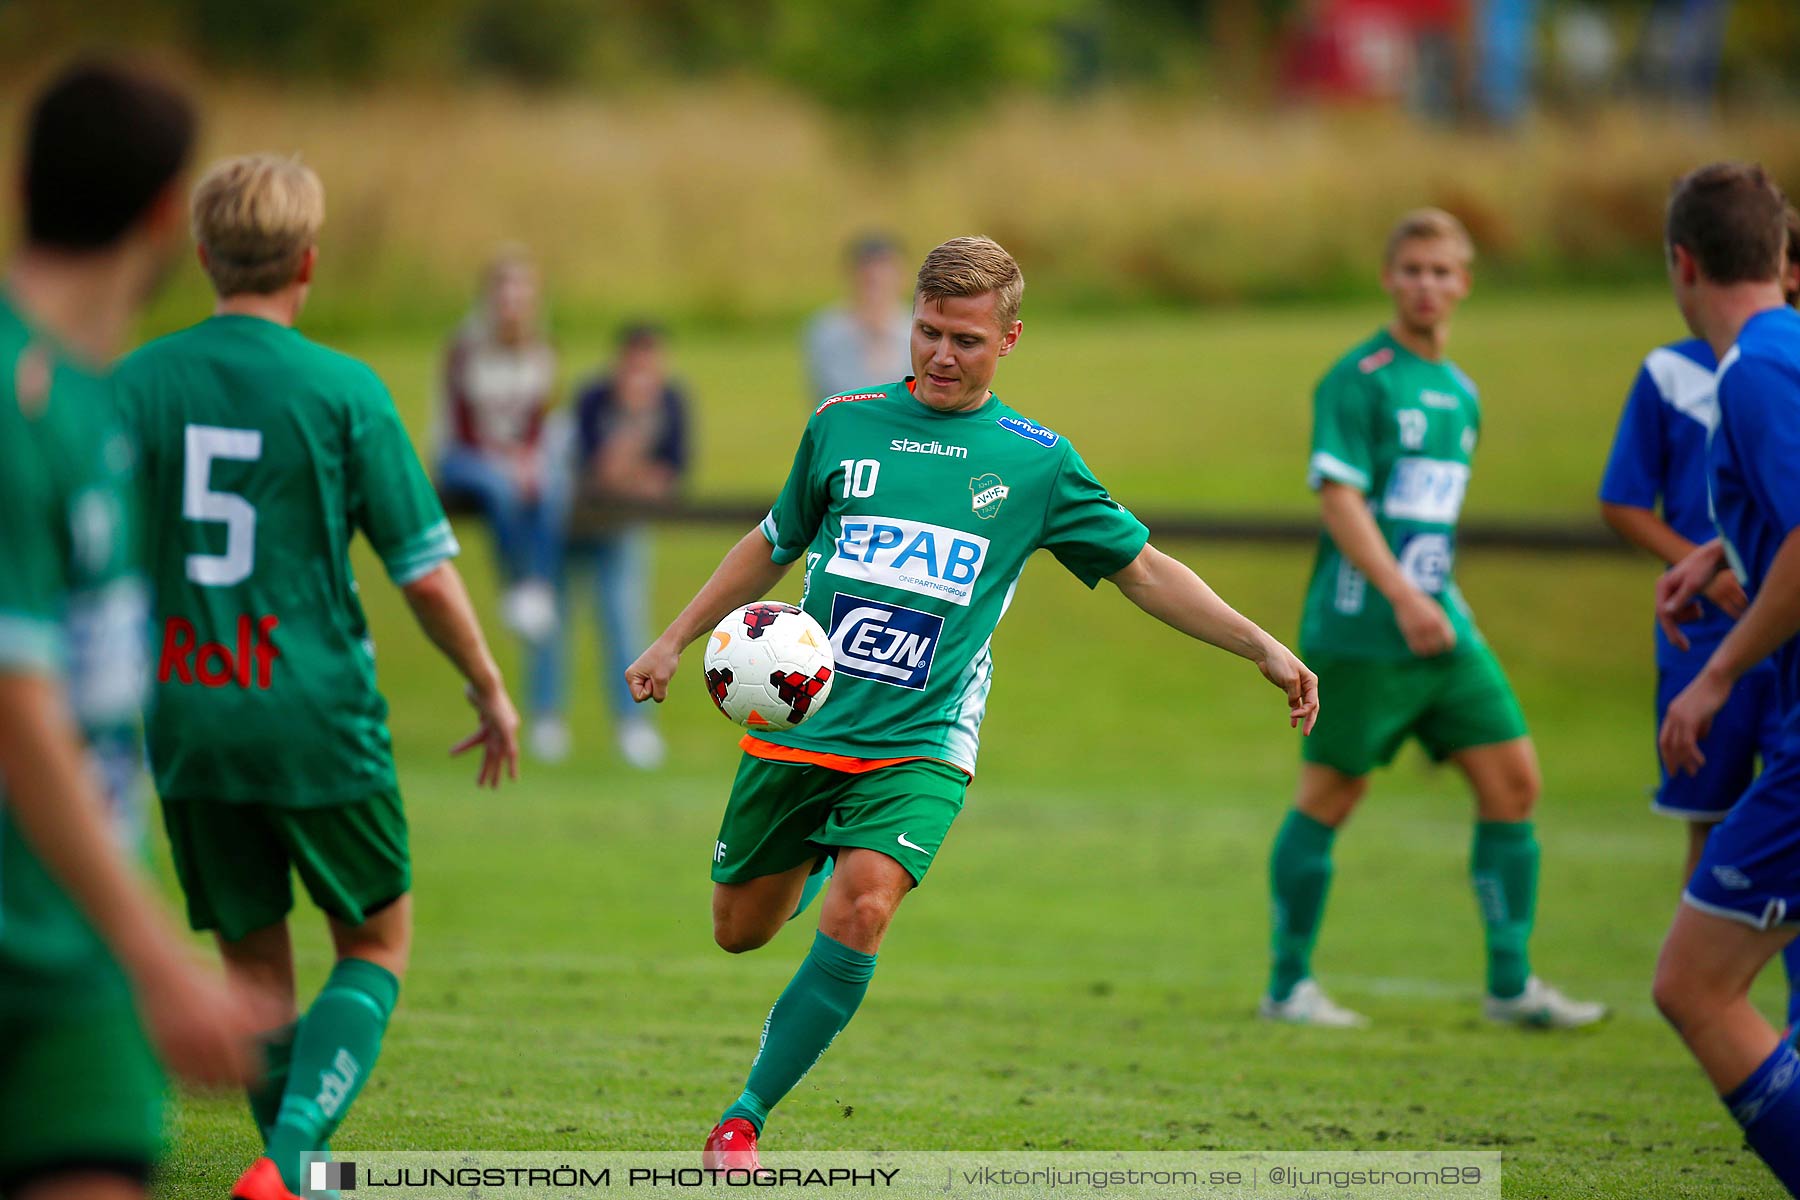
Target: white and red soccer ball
[(768, 666)]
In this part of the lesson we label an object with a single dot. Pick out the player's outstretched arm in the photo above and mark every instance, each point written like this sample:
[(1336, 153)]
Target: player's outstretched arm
[(1168, 590), (441, 605), (746, 573), (1645, 529), (1422, 620), (203, 1028), (1772, 618)]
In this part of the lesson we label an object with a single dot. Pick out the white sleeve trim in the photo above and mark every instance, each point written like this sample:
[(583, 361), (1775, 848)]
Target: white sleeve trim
[(1326, 466)]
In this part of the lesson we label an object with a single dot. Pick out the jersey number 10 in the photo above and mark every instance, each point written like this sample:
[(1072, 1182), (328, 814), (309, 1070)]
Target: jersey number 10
[(199, 502)]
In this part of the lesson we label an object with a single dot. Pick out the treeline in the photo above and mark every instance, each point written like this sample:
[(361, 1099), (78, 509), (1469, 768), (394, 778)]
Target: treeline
[(879, 60)]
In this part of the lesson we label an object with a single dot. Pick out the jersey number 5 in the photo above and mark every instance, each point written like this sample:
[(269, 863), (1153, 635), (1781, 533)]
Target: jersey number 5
[(199, 502)]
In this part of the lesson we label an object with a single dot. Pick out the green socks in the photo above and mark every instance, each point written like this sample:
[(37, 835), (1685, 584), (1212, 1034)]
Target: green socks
[(1299, 878), (817, 1004), (265, 1093), (335, 1046), (1504, 866)]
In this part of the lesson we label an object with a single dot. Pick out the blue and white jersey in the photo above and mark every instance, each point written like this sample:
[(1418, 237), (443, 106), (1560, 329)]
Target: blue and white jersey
[(1659, 462), (1754, 464)]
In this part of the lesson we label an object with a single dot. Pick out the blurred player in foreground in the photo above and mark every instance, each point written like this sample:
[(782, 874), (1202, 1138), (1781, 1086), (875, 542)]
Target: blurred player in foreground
[(1659, 454), (1726, 235), (1396, 647), (82, 936), (263, 452), (915, 506)]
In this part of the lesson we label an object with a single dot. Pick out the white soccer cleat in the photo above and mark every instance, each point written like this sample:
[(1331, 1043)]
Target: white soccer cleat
[(549, 739), (641, 745), (1308, 1004), (1541, 1006)]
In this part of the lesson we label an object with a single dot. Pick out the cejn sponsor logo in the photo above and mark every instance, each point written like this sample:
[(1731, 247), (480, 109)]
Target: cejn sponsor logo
[(908, 446), (1425, 560), (250, 664), (1029, 430), (884, 642), (913, 556)]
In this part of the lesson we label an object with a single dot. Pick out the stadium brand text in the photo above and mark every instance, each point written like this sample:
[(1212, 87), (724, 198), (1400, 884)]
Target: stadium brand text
[(908, 446), (249, 665), (914, 556)]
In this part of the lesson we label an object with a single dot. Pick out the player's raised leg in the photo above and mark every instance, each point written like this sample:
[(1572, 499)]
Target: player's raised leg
[(1299, 880), (747, 915), (1702, 987), (1503, 865), (824, 993)]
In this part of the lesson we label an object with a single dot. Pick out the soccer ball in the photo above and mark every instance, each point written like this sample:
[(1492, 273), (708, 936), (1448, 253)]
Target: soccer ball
[(769, 666)]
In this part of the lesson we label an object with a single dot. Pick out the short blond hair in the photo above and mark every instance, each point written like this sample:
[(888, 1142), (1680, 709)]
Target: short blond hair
[(973, 266), (256, 216), (1425, 225)]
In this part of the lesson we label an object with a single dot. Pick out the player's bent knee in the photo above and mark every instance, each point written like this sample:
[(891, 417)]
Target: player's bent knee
[(869, 914), (1683, 997), (741, 939)]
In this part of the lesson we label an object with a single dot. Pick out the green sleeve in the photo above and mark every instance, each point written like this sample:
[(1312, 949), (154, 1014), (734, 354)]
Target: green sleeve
[(391, 499), (799, 509), (1343, 441), (32, 580), (1090, 533)]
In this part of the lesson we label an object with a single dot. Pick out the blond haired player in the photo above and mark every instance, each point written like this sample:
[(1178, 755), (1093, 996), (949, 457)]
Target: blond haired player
[(1394, 430), (915, 506), (264, 453)]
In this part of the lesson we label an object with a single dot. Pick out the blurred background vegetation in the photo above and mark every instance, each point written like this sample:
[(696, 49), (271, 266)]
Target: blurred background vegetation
[(705, 159)]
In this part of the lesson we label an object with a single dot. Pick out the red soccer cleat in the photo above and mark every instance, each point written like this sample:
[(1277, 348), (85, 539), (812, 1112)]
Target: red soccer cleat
[(261, 1182), (731, 1146)]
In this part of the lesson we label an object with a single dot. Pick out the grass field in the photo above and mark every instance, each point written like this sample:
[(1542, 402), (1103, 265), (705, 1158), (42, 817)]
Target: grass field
[(1081, 968)]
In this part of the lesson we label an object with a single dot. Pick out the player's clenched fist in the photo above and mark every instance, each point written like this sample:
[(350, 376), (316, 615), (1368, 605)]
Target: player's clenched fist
[(649, 676)]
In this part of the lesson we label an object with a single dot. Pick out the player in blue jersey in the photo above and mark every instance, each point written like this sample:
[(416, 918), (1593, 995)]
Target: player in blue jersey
[(1659, 458), (1726, 238)]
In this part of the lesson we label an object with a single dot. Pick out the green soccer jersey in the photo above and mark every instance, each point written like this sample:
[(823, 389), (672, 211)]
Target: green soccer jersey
[(263, 453), (1400, 430), (72, 606), (914, 525)]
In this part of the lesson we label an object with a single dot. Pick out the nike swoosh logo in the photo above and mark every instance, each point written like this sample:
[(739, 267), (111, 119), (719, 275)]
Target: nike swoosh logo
[(912, 846)]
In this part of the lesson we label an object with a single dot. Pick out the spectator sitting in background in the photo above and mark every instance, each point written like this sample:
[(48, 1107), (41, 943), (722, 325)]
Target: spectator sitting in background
[(498, 380), (631, 450), (868, 342)]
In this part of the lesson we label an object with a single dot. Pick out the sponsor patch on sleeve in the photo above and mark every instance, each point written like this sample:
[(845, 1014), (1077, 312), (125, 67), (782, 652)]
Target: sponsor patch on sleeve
[(852, 398), (1030, 430), (1371, 363)]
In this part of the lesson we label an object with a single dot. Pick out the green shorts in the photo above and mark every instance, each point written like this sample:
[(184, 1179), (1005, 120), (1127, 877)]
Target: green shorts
[(80, 1089), (1369, 707), (234, 860), (783, 814)]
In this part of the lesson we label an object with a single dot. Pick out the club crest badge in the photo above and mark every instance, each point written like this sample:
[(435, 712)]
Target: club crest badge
[(986, 494)]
